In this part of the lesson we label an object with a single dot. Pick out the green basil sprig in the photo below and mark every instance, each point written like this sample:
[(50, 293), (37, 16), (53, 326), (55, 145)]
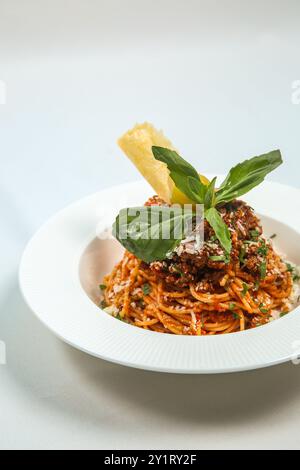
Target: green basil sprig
[(240, 179), (142, 230), (221, 230), (185, 176), (246, 175)]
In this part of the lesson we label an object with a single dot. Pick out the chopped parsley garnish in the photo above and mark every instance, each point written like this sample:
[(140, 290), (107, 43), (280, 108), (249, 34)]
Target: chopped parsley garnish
[(290, 268), (245, 289), (103, 304), (232, 306), (282, 314), (254, 234), (242, 254), (177, 270), (263, 269), (294, 272), (140, 303), (146, 288), (256, 285), (102, 286), (118, 317), (220, 258), (263, 309), (273, 236), (217, 258), (263, 249)]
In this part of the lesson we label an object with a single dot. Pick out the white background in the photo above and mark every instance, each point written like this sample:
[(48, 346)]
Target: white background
[(217, 76)]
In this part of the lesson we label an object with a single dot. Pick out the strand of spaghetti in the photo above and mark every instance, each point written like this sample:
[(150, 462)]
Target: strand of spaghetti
[(124, 266), (234, 326), (220, 326), (199, 328), (146, 322), (175, 295), (245, 296), (200, 306), (245, 276), (193, 322), (109, 278), (236, 290), (242, 319), (169, 323), (173, 310), (208, 298), (224, 280), (147, 276), (233, 304), (132, 277), (184, 319)]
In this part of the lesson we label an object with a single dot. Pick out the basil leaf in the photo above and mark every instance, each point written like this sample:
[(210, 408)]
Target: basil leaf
[(209, 199), (183, 174), (190, 188), (220, 228), (151, 232), (247, 175)]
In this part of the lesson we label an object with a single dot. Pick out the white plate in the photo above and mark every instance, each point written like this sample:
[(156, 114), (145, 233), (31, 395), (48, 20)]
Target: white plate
[(65, 261)]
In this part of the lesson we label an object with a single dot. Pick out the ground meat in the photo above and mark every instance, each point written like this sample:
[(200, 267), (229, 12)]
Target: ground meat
[(155, 201), (249, 249)]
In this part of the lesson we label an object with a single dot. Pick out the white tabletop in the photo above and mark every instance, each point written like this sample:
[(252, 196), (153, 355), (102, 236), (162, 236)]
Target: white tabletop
[(218, 77)]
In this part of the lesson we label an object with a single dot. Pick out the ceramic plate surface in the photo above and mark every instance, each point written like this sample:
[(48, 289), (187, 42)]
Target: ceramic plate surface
[(66, 259)]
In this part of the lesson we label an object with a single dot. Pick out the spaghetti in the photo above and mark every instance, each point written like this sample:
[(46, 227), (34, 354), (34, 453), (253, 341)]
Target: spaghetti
[(200, 293), (139, 297)]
